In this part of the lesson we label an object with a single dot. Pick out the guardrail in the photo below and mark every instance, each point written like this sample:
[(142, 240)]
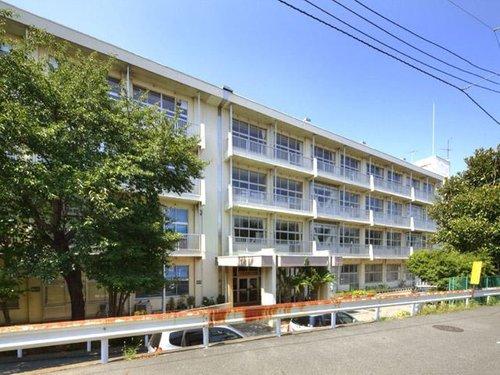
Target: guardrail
[(48, 334)]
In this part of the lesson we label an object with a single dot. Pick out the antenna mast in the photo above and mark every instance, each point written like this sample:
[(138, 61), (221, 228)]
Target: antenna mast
[(433, 129)]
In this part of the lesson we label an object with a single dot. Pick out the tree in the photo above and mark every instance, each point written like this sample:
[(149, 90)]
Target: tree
[(467, 210), (437, 266), (76, 162)]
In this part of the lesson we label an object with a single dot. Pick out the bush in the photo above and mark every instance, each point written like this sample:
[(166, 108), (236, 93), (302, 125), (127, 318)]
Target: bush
[(221, 299), (130, 351), (401, 314), (181, 303), (171, 304), (190, 301)]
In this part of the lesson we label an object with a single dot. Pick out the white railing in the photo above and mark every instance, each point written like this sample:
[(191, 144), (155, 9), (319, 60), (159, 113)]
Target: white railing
[(333, 209), (260, 148), (390, 251), (247, 196), (391, 186), (390, 219), (197, 192), (424, 195), (60, 333), (190, 245), (244, 245)]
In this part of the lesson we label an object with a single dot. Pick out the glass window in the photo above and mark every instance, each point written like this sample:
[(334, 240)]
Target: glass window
[(175, 338), (417, 240), (289, 149), (395, 177), (194, 337), (177, 280), (375, 170), (393, 239), (350, 163), (413, 182), (349, 274), (348, 199), (245, 134), (325, 195), (348, 235), (165, 102), (219, 334), (176, 219), (392, 272), (326, 234), (395, 209), (288, 188), (326, 158), (249, 180), (114, 88), (373, 273), (373, 237), (288, 231), (375, 204), (248, 227)]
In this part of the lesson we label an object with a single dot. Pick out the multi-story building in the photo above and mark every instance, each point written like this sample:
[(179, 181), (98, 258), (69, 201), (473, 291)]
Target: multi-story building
[(277, 192)]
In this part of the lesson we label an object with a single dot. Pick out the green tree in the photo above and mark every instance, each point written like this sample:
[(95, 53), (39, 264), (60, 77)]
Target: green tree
[(467, 210), (437, 266), (68, 153)]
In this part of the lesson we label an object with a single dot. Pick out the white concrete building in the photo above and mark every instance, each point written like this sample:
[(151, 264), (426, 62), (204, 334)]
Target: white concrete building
[(277, 191)]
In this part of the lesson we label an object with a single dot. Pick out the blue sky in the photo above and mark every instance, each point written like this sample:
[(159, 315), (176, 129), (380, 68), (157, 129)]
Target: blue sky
[(266, 52)]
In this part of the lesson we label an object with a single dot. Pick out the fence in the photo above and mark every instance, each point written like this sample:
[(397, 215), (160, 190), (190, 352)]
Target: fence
[(462, 282), (49, 334)]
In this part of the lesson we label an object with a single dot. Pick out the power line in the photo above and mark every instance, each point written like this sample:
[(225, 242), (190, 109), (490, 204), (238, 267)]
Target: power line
[(425, 39), (398, 51), (388, 54), (411, 45), (491, 28)]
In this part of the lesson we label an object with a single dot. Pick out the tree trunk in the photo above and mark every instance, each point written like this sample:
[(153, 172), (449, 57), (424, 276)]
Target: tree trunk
[(6, 312), (75, 288)]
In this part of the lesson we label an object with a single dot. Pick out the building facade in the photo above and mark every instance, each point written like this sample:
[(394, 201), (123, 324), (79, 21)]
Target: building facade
[(277, 193)]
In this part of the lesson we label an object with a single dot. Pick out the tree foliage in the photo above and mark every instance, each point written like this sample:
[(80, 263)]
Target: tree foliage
[(83, 172), (468, 207), (437, 266)]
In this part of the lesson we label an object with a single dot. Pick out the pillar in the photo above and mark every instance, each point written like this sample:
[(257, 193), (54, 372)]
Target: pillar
[(268, 284)]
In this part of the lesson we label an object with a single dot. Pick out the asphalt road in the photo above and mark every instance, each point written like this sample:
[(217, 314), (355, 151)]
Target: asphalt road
[(408, 346)]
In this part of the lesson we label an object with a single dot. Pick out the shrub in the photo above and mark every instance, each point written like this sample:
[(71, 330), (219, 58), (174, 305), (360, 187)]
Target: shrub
[(221, 299), (190, 301), (181, 303), (130, 351), (171, 304)]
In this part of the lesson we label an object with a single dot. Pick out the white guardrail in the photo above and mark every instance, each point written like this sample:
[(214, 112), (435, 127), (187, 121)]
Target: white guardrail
[(21, 337)]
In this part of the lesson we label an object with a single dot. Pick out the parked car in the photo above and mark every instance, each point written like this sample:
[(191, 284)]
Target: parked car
[(171, 340), (304, 323)]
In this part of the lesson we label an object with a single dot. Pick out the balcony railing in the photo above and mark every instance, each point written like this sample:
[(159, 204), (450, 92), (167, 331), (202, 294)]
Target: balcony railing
[(273, 154), (424, 224), (352, 249), (190, 245), (247, 196), (382, 218), (390, 251), (345, 212), (245, 245), (354, 176), (424, 195), (197, 192), (297, 247), (391, 186)]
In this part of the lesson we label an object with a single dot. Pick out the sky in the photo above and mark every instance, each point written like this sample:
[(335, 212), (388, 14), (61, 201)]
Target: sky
[(277, 57)]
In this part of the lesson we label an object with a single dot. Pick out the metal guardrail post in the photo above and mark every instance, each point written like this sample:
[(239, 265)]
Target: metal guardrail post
[(277, 321), (205, 336), (377, 314), (467, 300), (104, 350), (333, 320), (19, 353), (413, 309), (146, 340), (89, 346)]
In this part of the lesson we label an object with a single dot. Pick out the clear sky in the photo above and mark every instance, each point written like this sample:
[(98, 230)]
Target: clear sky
[(266, 52)]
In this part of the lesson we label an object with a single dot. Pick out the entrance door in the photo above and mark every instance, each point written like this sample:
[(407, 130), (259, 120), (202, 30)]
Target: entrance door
[(246, 286)]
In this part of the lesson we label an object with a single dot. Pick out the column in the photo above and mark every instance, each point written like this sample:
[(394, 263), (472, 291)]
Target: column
[(361, 275), (268, 284)]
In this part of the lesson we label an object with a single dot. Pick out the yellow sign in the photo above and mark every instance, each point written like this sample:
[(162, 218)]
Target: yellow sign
[(475, 275)]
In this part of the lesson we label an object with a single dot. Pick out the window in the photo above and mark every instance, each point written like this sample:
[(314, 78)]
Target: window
[(393, 239), (413, 182), (219, 334), (373, 237), (326, 159), (428, 188), (249, 137), (375, 170), (395, 177), (392, 272), (373, 273), (326, 235), (246, 227), (176, 219), (114, 88), (175, 338), (348, 199), (288, 231), (349, 163), (349, 274), (289, 149), (375, 204), (194, 337), (418, 241), (52, 63), (395, 209), (348, 235), (326, 196), (249, 180), (418, 212), (165, 102), (177, 280), (285, 187)]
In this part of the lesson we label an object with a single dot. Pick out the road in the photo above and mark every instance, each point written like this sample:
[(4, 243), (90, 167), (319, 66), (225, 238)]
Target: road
[(409, 346)]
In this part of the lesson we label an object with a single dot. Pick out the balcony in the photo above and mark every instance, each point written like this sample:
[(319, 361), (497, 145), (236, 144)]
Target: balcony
[(393, 187), (332, 210), (348, 176), (196, 195), (352, 250), (190, 245), (262, 201), (390, 220), (245, 245), (424, 196), (424, 224), (388, 252), (259, 151)]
